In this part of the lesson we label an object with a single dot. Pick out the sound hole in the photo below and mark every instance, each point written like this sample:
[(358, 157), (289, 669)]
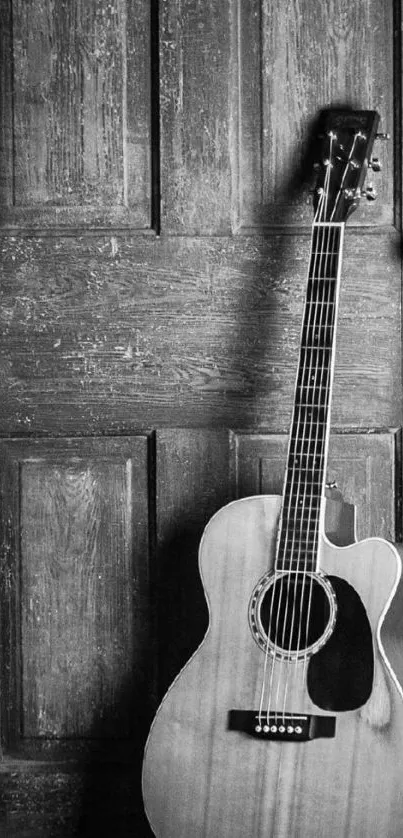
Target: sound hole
[(295, 612)]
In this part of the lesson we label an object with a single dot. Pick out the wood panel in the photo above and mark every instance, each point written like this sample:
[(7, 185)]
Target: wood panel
[(59, 801), (76, 126), (115, 334), (75, 589), (290, 61), (192, 484), (364, 466), (195, 150)]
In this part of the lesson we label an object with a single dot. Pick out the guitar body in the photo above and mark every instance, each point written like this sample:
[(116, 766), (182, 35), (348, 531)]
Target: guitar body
[(202, 779)]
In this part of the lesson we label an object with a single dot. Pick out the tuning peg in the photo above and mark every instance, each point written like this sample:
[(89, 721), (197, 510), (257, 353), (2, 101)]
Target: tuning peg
[(375, 164), (370, 193)]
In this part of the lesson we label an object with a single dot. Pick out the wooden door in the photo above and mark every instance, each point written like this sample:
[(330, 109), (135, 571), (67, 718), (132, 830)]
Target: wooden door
[(154, 244)]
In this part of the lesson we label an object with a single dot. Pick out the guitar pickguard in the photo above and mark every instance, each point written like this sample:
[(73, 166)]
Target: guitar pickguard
[(340, 674)]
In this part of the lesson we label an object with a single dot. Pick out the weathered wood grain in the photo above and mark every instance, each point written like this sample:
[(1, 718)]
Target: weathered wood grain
[(109, 333), (291, 61), (80, 579), (6, 121), (195, 151), (364, 466), (117, 334), (64, 800), (193, 482), (77, 98)]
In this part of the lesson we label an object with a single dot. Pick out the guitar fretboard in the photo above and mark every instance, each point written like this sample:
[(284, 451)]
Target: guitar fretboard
[(302, 504)]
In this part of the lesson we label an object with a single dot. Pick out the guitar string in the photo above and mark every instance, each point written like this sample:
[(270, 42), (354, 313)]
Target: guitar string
[(332, 288), (298, 499), (285, 514), (315, 448), (313, 456), (322, 384), (307, 377), (316, 440), (274, 617), (292, 492), (324, 256), (303, 577)]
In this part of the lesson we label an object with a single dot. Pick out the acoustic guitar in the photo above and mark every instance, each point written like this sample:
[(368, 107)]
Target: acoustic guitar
[(287, 722)]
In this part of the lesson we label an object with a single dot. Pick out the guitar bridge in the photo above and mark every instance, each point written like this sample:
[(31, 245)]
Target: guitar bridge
[(283, 727)]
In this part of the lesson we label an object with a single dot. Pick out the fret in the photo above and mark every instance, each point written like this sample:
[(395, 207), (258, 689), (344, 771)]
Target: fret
[(293, 508), (326, 275), (307, 475), (298, 539), (321, 353), (304, 448), (292, 505), (307, 431), (305, 471), (321, 290), (311, 399), (308, 457), (310, 405), (307, 419), (317, 335), (298, 552), (312, 412), (324, 272), (309, 380), (316, 350), (302, 526), (313, 450), (299, 512), (320, 308), (303, 499), (312, 384), (290, 550), (310, 460), (311, 372), (297, 565)]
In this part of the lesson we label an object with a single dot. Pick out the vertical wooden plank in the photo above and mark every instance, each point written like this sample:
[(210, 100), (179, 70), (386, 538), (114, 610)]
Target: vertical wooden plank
[(364, 467), (6, 103), (138, 104), (192, 484), (10, 627), (195, 66)]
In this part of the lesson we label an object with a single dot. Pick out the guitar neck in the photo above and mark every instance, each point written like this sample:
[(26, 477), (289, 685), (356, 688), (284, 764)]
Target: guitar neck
[(302, 510)]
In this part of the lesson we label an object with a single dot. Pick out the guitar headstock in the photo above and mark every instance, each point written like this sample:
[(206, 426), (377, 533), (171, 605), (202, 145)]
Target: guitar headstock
[(341, 157)]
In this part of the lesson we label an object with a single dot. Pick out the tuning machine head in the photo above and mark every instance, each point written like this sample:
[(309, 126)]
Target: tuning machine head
[(369, 192), (375, 164)]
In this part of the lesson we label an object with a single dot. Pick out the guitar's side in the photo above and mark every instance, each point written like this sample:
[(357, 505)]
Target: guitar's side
[(202, 780)]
